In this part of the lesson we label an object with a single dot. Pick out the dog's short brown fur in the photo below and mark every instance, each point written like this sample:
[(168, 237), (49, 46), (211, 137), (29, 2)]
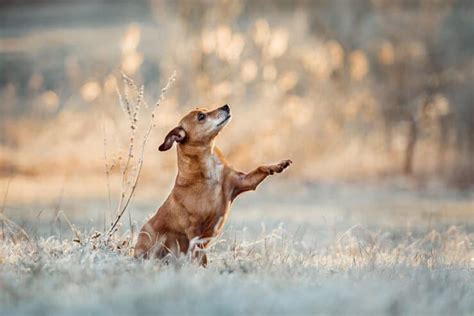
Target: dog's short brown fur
[(197, 207)]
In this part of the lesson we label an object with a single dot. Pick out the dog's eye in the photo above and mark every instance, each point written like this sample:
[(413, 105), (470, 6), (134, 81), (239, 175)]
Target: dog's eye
[(201, 116)]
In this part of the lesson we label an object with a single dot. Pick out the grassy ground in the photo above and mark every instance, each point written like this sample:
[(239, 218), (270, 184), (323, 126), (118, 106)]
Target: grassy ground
[(295, 247), (339, 249)]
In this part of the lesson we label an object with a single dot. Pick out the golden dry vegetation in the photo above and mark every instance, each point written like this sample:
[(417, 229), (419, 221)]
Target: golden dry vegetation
[(371, 99)]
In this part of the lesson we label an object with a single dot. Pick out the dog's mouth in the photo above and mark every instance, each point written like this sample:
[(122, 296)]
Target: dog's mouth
[(224, 120)]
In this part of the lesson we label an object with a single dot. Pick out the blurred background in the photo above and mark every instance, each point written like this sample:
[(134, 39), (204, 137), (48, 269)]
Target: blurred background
[(372, 99)]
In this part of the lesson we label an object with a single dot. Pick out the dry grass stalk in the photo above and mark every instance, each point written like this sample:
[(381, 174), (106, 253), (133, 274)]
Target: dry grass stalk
[(76, 232), (3, 208), (107, 172), (13, 228), (129, 181)]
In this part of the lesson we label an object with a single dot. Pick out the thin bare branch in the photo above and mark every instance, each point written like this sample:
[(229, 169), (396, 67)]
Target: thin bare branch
[(125, 197)]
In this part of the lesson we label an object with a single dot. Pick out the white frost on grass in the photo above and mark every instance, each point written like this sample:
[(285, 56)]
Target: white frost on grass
[(360, 272)]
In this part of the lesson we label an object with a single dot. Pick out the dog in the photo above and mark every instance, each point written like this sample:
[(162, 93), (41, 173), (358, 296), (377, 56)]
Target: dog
[(205, 186)]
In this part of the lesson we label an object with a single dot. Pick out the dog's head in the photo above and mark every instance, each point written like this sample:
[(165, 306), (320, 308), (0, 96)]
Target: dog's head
[(198, 128)]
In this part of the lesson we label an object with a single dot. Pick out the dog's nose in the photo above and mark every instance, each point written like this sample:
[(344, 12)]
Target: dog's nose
[(226, 108)]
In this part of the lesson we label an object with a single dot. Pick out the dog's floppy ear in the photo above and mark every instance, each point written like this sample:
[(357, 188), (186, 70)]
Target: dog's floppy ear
[(177, 134)]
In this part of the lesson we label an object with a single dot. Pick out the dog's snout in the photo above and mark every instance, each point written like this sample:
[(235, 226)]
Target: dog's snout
[(226, 108)]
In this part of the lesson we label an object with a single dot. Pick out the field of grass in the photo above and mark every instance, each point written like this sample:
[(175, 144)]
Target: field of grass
[(372, 100), (321, 248)]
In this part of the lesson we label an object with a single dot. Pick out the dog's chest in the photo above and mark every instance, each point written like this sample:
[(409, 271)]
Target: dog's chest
[(208, 196), (211, 191), (214, 171)]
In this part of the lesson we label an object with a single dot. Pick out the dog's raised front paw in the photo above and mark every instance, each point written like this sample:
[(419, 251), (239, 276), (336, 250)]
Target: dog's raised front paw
[(280, 166)]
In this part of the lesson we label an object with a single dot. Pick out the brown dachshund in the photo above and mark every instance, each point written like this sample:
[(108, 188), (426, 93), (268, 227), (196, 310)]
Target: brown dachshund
[(197, 207)]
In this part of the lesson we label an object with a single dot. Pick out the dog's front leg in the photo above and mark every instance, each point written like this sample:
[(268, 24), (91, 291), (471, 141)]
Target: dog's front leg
[(250, 181), (196, 246)]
